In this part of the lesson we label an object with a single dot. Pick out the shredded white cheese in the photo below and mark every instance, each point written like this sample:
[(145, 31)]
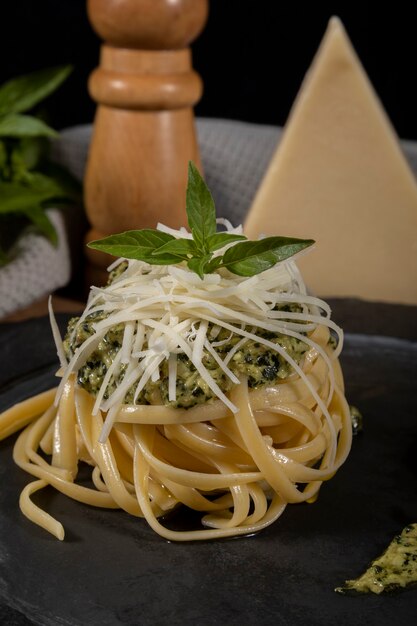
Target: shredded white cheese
[(56, 335), (167, 310), (172, 377)]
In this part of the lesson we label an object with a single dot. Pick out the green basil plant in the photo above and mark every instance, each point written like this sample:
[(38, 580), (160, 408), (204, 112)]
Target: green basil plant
[(29, 182)]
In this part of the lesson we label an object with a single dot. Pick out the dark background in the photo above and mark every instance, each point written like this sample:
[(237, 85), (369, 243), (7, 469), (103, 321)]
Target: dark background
[(252, 55)]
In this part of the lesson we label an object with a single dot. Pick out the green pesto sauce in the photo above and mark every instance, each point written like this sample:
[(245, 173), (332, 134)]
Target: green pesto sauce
[(262, 365), (118, 271), (357, 419), (395, 568)]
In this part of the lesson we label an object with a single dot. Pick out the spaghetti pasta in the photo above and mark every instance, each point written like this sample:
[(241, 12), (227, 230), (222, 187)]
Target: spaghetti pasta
[(238, 456)]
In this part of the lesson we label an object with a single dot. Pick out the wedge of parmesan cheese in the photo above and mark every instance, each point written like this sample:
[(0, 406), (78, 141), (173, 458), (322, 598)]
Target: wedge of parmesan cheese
[(339, 176)]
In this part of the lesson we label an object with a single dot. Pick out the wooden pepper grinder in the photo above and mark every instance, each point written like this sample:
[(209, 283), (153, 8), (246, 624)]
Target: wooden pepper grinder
[(144, 131)]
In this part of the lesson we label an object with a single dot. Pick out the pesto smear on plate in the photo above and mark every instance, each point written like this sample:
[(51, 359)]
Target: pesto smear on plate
[(395, 568)]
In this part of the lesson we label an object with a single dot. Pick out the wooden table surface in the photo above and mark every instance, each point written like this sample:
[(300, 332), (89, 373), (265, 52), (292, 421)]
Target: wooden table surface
[(40, 308)]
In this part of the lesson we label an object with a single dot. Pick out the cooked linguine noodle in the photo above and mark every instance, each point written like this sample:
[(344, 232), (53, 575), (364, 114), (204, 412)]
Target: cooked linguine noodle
[(240, 457)]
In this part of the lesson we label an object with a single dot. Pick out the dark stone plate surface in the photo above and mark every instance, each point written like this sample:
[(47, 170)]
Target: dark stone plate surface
[(112, 569)]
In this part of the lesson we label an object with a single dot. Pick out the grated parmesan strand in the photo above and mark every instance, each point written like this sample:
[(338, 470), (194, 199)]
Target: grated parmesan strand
[(172, 377), (56, 335)]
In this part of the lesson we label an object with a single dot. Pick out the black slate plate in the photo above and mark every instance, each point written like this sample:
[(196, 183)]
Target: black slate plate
[(112, 569)]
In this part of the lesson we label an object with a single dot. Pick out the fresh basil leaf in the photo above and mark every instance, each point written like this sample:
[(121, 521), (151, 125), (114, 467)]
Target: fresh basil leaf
[(180, 247), (200, 208), (15, 197), (43, 224), (218, 240), (22, 93), (213, 264), (66, 181), (30, 151), (53, 187), (138, 245), (253, 257), (15, 125), (198, 264), (18, 172), (245, 258)]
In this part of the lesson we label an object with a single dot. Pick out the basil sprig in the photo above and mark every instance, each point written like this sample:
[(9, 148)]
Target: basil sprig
[(29, 182), (244, 258)]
